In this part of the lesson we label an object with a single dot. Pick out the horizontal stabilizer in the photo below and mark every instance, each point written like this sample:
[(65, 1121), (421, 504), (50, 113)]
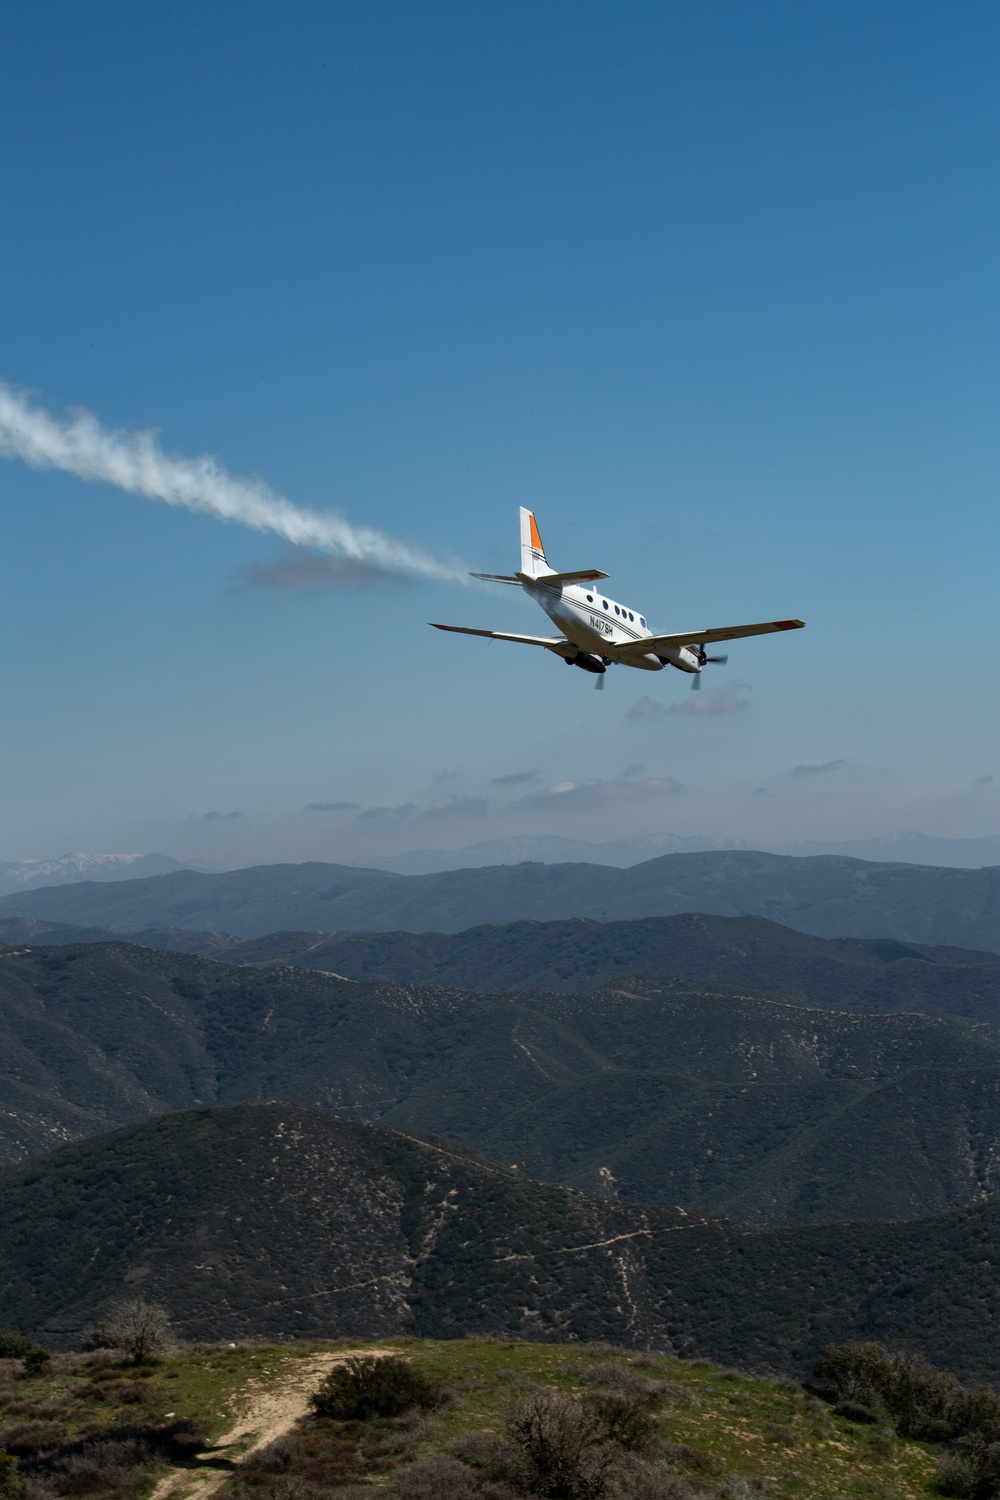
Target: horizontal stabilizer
[(586, 575), (495, 577), (559, 644)]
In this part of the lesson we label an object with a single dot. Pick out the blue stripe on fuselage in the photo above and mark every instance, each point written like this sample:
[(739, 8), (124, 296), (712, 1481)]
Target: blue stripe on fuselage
[(569, 607)]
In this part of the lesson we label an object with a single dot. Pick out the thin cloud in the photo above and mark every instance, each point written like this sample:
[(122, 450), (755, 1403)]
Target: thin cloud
[(646, 708), (597, 793), (387, 814), (220, 817), (823, 770), (324, 807), (984, 781), (631, 772), (517, 778), (457, 807), (309, 572), (724, 700)]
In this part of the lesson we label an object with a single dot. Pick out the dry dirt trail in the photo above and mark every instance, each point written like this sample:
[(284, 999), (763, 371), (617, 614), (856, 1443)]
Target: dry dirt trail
[(266, 1413)]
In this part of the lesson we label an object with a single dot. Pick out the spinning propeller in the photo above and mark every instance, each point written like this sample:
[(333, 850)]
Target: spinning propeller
[(705, 661)]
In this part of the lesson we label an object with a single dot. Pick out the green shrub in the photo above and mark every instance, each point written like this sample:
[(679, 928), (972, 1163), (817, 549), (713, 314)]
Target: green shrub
[(970, 1470), (368, 1386), (859, 1411), (19, 1346), (857, 1373), (869, 1383)]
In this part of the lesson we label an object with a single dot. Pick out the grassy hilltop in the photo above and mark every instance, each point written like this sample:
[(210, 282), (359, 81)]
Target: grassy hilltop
[(717, 1433)]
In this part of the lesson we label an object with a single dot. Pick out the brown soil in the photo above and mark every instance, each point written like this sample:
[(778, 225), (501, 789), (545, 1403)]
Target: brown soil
[(266, 1414)]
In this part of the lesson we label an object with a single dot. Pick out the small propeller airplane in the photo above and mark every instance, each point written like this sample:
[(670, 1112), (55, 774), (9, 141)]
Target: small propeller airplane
[(597, 632)]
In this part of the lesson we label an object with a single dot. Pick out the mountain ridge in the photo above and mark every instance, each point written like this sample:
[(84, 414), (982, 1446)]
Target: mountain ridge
[(829, 896), (270, 1219), (648, 1090), (908, 847)]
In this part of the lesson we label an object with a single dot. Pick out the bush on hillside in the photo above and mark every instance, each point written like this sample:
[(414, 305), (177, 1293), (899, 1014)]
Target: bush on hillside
[(114, 1469), (557, 1447), (870, 1383), (436, 1477), (369, 1386), (139, 1328), (623, 1418), (970, 1470), (113, 1464), (562, 1449), (19, 1346), (653, 1482)]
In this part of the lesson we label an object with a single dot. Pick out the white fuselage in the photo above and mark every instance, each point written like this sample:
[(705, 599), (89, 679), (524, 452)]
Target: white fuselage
[(600, 625)]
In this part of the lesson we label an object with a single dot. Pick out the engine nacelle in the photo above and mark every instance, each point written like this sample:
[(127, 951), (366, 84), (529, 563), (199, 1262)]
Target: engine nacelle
[(586, 661), (685, 658)]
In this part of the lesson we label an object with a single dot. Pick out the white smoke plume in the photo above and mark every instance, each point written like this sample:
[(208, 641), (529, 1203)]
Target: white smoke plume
[(134, 461)]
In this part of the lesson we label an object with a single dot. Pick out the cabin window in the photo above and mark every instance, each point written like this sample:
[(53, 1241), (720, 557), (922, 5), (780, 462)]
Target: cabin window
[(605, 603), (590, 598), (631, 615), (643, 623), (616, 609)]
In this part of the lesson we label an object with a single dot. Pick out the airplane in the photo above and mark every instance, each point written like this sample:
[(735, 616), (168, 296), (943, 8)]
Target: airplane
[(598, 632)]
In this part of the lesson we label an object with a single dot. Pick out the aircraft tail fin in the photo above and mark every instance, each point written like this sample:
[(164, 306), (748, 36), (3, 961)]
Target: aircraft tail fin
[(533, 562)]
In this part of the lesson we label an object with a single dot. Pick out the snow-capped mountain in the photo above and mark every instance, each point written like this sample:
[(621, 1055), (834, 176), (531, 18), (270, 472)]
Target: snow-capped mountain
[(67, 869)]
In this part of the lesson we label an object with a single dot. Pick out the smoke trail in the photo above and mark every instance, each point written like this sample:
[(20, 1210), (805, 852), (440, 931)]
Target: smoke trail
[(134, 461)]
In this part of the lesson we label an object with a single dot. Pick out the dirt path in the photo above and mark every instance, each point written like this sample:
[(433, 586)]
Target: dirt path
[(265, 1414)]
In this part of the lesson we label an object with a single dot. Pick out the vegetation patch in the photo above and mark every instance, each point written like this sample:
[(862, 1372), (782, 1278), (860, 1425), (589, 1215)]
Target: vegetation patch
[(495, 1419), (589, 1423)]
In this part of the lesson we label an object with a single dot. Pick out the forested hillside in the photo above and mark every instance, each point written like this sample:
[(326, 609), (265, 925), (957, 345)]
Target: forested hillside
[(738, 952), (271, 1219), (652, 1091)]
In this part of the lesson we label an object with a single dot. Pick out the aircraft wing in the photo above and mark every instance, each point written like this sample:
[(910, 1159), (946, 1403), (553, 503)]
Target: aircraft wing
[(707, 637), (557, 643)]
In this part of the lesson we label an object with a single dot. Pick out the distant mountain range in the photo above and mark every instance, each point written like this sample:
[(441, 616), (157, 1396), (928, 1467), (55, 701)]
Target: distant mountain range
[(277, 1221), (910, 848), (747, 953), (29, 874), (655, 1090), (738, 952), (549, 849), (828, 895)]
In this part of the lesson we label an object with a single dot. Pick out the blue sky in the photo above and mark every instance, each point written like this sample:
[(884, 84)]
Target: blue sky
[(711, 286)]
